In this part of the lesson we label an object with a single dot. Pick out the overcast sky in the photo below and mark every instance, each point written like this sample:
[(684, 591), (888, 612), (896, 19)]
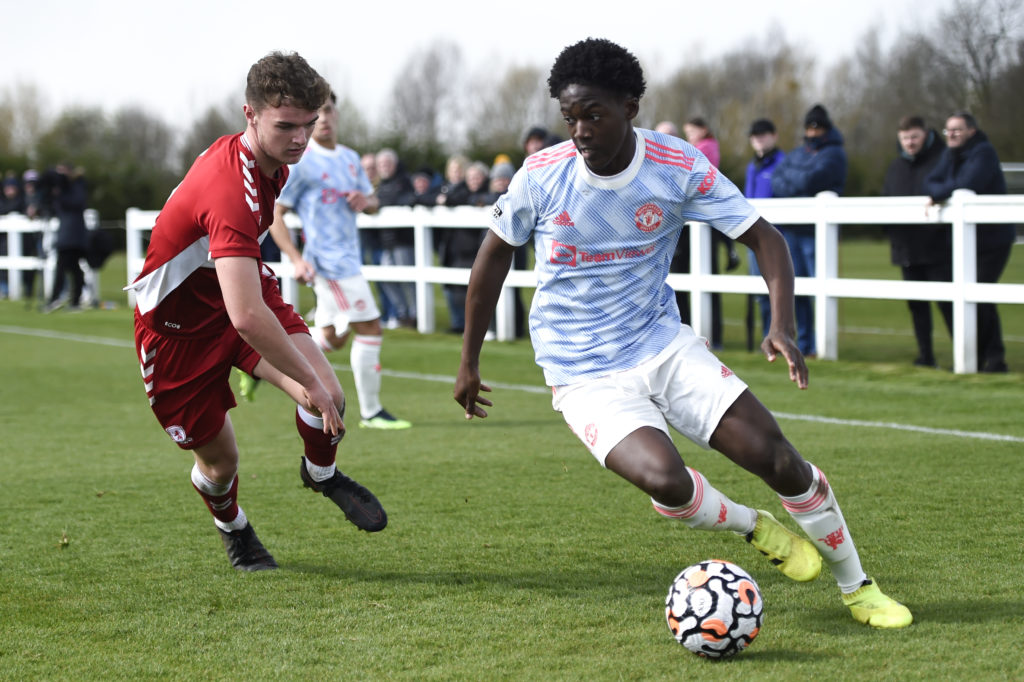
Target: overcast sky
[(177, 58)]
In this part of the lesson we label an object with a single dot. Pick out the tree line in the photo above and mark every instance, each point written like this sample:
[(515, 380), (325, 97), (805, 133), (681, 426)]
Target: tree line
[(968, 57)]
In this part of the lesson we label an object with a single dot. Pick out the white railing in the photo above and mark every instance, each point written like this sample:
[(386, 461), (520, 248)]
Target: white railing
[(15, 261), (826, 212)]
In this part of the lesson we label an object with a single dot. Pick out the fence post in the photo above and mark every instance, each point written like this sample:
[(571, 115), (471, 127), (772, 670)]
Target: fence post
[(826, 269), (700, 267), (423, 242), (965, 271), (14, 238)]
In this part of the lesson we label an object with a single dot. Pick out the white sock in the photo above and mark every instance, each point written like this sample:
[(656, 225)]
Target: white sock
[(239, 523), (365, 360), (709, 509), (818, 513), (318, 335), (207, 486), (319, 473)]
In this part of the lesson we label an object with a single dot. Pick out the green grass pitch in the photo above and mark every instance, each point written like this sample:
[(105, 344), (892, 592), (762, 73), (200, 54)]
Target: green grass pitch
[(510, 554)]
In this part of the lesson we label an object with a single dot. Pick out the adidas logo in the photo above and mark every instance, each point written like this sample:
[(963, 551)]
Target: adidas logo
[(564, 220)]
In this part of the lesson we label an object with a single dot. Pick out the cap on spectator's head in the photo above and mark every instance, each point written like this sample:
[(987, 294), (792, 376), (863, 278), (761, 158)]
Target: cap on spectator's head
[(817, 117), (503, 170), (10, 182), (536, 131), (761, 126), (30, 176)]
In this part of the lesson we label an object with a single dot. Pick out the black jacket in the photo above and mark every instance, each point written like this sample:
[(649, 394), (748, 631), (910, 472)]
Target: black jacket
[(396, 191), (916, 244), (974, 165)]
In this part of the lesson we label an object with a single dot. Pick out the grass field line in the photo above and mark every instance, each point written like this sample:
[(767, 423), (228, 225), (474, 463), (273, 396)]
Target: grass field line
[(528, 388), (875, 331)]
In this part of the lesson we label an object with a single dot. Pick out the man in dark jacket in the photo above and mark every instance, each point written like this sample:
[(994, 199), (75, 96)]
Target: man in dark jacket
[(70, 197), (758, 185), (397, 244), (923, 252), (970, 162), (818, 165)]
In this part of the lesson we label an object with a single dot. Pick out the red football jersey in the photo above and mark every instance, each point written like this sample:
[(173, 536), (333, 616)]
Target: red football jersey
[(222, 207)]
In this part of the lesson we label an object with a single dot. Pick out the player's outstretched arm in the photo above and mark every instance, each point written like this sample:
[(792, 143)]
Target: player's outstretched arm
[(239, 279), (490, 268), (769, 246)]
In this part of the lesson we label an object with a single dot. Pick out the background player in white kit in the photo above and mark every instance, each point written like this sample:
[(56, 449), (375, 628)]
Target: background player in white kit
[(604, 211), (327, 188)]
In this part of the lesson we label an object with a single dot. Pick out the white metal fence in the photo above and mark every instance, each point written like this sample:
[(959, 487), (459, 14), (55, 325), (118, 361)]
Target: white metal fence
[(827, 212)]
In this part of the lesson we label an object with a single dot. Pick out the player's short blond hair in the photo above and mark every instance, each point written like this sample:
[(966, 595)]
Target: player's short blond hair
[(285, 79)]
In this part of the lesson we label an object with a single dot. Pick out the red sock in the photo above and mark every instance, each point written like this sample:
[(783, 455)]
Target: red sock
[(321, 448)]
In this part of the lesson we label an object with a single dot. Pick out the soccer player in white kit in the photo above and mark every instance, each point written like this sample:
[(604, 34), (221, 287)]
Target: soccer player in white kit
[(327, 188), (604, 211)]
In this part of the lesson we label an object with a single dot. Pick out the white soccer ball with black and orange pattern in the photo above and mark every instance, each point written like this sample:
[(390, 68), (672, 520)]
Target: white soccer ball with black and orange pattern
[(714, 609)]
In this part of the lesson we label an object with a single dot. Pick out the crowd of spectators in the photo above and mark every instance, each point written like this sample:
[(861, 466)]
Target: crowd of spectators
[(815, 165), (464, 182), (60, 193)]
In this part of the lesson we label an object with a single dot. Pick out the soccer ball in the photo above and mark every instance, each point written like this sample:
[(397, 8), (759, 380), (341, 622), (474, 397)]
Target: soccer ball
[(714, 609)]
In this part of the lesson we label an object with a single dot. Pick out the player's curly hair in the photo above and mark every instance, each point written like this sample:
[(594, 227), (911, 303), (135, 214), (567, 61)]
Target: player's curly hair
[(597, 62), (280, 79)]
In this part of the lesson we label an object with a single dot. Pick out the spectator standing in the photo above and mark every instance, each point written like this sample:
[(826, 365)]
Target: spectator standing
[(607, 334), (698, 133), (501, 176), (970, 162), (397, 244), (70, 197), (201, 311), (922, 252), (764, 140), (36, 208), (425, 187), (328, 188), (456, 246), (667, 128), (369, 241), (817, 165), (11, 201), (35, 203), (537, 138)]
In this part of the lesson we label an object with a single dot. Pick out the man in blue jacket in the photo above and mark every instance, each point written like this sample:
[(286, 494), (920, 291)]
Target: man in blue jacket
[(818, 165), (764, 140), (970, 162)]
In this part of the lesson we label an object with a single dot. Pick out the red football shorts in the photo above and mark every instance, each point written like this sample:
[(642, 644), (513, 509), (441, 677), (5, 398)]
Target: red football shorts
[(187, 379)]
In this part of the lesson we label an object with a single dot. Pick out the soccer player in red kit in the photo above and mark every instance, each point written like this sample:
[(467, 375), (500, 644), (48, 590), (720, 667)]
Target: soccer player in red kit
[(205, 302)]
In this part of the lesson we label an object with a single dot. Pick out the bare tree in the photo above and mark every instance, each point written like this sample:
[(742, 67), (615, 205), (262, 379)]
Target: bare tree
[(977, 41), (144, 137), (219, 120), (732, 91), (353, 130), (508, 106), (421, 104), (24, 115)]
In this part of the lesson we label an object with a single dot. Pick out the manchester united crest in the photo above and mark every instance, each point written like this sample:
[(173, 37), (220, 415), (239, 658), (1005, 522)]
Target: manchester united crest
[(648, 217)]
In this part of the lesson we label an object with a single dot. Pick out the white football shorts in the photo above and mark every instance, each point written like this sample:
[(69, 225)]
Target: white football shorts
[(685, 385), (342, 301)]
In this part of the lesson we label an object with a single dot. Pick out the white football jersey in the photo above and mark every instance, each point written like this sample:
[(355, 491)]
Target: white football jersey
[(317, 190), (603, 248)]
